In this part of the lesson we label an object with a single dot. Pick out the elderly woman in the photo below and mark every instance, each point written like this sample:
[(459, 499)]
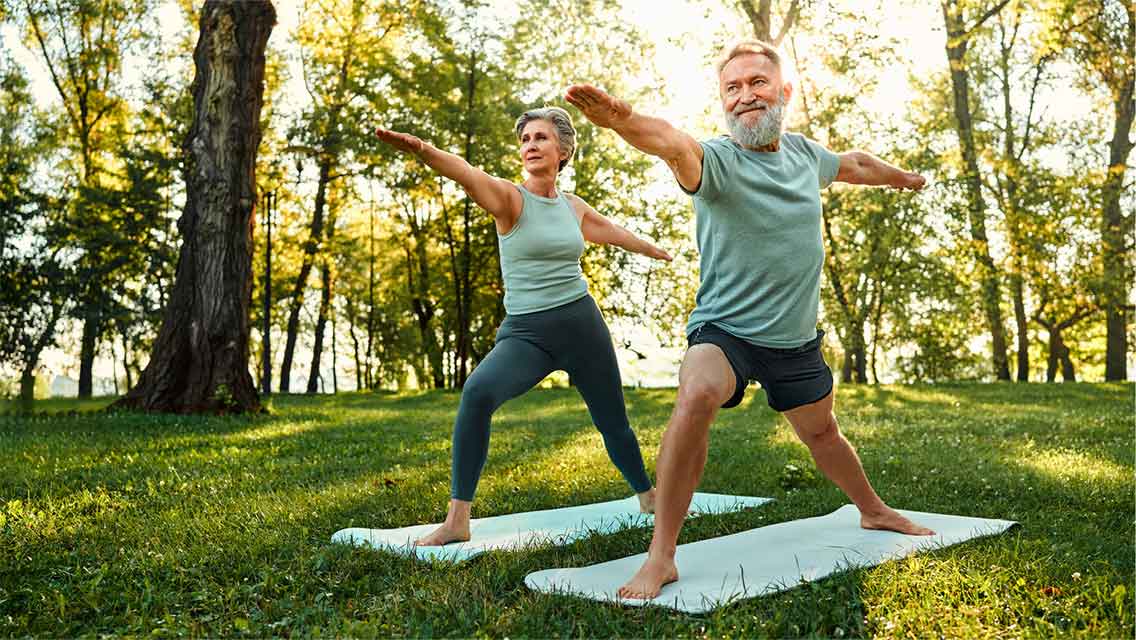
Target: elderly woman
[(551, 322)]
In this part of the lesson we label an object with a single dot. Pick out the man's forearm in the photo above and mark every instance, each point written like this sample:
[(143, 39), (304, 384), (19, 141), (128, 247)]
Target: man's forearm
[(876, 172), (651, 135)]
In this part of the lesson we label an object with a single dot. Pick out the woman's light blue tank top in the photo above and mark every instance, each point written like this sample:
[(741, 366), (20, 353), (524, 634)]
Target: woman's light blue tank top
[(540, 256)]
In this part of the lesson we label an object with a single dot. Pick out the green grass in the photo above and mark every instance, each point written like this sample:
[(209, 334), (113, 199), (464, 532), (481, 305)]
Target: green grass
[(168, 525)]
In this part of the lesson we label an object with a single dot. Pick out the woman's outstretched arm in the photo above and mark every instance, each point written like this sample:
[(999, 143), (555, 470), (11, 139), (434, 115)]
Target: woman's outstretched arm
[(600, 229), (499, 197)]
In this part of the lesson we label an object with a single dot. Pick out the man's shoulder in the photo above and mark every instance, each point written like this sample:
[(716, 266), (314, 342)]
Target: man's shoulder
[(796, 140), (722, 143), (799, 142)]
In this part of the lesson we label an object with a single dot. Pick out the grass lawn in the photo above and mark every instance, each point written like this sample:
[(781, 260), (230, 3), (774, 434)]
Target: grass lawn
[(167, 525)]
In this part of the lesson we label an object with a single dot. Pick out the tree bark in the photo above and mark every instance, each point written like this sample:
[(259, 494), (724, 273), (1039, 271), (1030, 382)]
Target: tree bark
[(1117, 278), (87, 345), (200, 358), (958, 35), (760, 18)]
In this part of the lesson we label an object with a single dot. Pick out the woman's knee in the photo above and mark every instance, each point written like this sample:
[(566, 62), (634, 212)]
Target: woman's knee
[(477, 394)]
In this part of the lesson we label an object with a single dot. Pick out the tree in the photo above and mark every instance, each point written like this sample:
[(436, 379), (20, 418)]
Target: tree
[(345, 52), (200, 358), (82, 43), (760, 14), (1018, 183), (960, 30), (1101, 37), (33, 276)]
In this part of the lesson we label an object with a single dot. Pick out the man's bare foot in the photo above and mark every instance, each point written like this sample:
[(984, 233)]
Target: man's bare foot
[(650, 578), (889, 519), (646, 501), (444, 534)]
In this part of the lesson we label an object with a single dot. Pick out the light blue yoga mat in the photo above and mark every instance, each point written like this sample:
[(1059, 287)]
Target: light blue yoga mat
[(517, 530), (765, 560)]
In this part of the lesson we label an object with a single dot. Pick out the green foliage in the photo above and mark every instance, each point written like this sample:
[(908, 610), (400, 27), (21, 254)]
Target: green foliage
[(33, 274), (214, 526)]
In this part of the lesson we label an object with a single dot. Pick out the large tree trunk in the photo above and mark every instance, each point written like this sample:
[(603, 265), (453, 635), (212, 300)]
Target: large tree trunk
[(87, 347), (315, 234), (27, 387), (958, 35), (1117, 279), (200, 358)]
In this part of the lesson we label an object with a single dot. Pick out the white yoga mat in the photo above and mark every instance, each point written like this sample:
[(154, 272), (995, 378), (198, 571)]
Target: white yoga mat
[(515, 530), (765, 560)]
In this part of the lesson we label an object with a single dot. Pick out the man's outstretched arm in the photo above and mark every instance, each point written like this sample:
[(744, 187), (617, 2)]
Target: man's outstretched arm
[(653, 136), (859, 167)]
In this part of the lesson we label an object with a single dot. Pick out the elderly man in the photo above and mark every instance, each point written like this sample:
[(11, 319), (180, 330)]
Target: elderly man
[(757, 204)]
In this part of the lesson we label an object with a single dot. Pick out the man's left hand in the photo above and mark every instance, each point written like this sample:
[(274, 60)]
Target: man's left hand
[(912, 181)]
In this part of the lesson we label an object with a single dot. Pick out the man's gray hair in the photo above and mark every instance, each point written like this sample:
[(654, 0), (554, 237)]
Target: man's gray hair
[(560, 120), (747, 47)]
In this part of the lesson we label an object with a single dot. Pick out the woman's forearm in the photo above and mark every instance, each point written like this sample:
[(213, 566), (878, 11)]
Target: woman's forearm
[(628, 241), (447, 164)]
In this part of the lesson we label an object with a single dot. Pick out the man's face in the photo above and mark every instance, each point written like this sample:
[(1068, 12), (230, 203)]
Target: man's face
[(753, 98)]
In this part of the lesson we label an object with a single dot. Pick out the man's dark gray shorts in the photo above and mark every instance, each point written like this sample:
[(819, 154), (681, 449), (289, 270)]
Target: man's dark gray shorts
[(791, 377)]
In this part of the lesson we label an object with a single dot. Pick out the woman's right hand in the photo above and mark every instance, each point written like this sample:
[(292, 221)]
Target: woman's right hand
[(656, 252), (401, 141)]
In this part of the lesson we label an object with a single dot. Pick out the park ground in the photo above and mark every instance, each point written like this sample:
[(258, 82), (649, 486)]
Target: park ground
[(219, 526)]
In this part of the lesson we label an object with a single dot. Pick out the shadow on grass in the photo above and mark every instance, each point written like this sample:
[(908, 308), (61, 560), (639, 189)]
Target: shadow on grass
[(257, 548)]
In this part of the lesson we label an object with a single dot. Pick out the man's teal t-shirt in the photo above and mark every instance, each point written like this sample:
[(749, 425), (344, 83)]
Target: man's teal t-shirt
[(759, 235)]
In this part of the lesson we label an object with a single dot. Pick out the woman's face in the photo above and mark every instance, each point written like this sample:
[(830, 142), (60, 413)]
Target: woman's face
[(540, 148)]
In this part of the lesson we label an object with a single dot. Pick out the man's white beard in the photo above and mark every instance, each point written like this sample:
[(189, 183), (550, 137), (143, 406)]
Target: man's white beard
[(764, 131)]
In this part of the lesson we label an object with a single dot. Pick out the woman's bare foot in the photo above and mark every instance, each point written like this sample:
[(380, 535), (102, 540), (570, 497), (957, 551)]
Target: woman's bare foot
[(454, 529), (888, 519), (444, 534), (647, 501), (649, 579)]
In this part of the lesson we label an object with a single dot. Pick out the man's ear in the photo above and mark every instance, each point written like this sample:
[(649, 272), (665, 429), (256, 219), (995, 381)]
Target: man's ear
[(787, 91)]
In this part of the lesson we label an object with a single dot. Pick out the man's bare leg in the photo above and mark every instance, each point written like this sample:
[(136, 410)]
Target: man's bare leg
[(454, 529), (705, 382), (816, 426)]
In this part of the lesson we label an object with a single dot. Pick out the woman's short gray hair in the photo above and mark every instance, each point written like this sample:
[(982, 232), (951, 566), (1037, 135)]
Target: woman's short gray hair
[(560, 120)]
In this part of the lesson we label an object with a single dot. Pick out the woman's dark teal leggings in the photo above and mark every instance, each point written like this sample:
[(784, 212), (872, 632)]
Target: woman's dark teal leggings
[(572, 337)]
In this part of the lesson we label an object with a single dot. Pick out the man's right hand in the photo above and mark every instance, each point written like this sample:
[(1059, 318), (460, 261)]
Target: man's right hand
[(597, 106), (401, 141)]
